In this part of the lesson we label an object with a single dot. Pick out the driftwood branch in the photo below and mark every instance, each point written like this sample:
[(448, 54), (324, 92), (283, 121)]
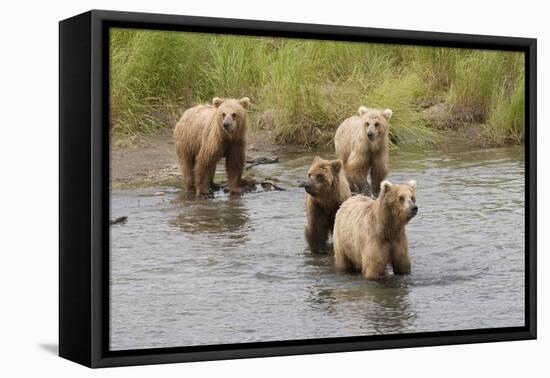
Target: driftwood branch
[(119, 220), (252, 162), (250, 184)]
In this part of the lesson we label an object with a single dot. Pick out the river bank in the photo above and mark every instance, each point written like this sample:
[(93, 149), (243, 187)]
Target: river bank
[(151, 160), (142, 161)]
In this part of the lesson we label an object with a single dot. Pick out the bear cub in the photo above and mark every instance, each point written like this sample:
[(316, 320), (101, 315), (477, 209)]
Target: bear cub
[(326, 189), (205, 134), (370, 234), (361, 142)]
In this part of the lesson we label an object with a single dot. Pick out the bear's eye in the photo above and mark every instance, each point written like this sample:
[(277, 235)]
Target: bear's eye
[(413, 199), (319, 178), (233, 115), (376, 124), (223, 115), (367, 124), (402, 199)]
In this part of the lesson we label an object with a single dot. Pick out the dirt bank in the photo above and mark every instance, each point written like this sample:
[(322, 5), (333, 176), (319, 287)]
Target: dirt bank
[(151, 161)]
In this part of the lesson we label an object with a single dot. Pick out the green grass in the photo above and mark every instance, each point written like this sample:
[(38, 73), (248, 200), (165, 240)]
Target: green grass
[(506, 121), (152, 75), (301, 90)]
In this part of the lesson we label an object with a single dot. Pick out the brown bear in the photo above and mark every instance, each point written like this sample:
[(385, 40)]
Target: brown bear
[(326, 189), (361, 142), (206, 133), (370, 234)]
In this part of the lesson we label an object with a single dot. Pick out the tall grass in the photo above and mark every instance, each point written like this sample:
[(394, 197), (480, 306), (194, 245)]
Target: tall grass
[(436, 66), (489, 89), (152, 74), (301, 90), (506, 121), (235, 66)]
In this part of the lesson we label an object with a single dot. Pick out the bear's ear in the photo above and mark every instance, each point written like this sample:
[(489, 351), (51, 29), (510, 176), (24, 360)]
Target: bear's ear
[(336, 165), (216, 101), (387, 114), (385, 186), (412, 184), (245, 102), (362, 110), (316, 159)]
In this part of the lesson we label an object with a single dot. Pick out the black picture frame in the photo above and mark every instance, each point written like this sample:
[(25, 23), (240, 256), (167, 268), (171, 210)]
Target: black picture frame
[(84, 188)]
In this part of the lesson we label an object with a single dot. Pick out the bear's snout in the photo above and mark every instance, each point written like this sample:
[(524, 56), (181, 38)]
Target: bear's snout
[(413, 211), (226, 125), (370, 135)]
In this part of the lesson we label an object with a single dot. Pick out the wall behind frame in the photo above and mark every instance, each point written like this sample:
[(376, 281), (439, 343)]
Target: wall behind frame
[(29, 148)]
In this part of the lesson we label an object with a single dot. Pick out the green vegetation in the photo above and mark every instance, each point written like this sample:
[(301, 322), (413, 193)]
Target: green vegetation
[(301, 90)]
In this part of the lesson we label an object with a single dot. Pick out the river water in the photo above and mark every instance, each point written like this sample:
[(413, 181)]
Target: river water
[(230, 270)]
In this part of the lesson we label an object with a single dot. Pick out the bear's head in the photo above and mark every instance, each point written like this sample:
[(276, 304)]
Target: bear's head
[(399, 200), (376, 122), (322, 177), (232, 113)]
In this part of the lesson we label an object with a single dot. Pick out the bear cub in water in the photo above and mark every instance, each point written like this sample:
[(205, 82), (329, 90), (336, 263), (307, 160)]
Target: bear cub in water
[(326, 189), (370, 234)]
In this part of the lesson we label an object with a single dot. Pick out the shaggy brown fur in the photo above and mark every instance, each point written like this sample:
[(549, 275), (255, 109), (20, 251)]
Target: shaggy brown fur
[(326, 189), (361, 142), (370, 234), (206, 133)]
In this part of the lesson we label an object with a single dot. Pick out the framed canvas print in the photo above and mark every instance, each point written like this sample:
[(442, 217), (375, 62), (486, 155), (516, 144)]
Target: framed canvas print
[(235, 188)]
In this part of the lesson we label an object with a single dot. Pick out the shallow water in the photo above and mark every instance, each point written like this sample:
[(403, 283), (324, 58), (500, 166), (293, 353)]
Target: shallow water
[(231, 270)]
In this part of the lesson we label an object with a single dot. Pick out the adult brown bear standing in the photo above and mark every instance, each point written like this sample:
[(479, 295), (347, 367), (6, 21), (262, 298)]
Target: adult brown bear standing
[(206, 133)]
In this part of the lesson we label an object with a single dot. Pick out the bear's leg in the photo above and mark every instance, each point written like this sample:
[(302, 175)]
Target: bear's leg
[(341, 261), (186, 168), (204, 176), (378, 173), (357, 182), (365, 187), (373, 270), (400, 259), (374, 260), (357, 171), (317, 232), (235, 159), (205, 169), (317, 228)]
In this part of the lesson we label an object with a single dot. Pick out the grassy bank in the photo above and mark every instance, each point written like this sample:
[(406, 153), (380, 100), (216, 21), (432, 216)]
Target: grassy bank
[(301, 90)]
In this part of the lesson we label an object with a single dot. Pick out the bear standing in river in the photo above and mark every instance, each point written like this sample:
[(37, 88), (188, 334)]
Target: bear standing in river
[(361, 142), (326, 189), (206, 133), (370, 234)]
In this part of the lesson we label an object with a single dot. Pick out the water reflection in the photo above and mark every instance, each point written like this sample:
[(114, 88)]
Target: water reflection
[(360, 305), (225, 218), (368, 307)]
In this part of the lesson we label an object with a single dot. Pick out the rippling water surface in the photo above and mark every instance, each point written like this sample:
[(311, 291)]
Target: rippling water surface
[(231, 270)]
